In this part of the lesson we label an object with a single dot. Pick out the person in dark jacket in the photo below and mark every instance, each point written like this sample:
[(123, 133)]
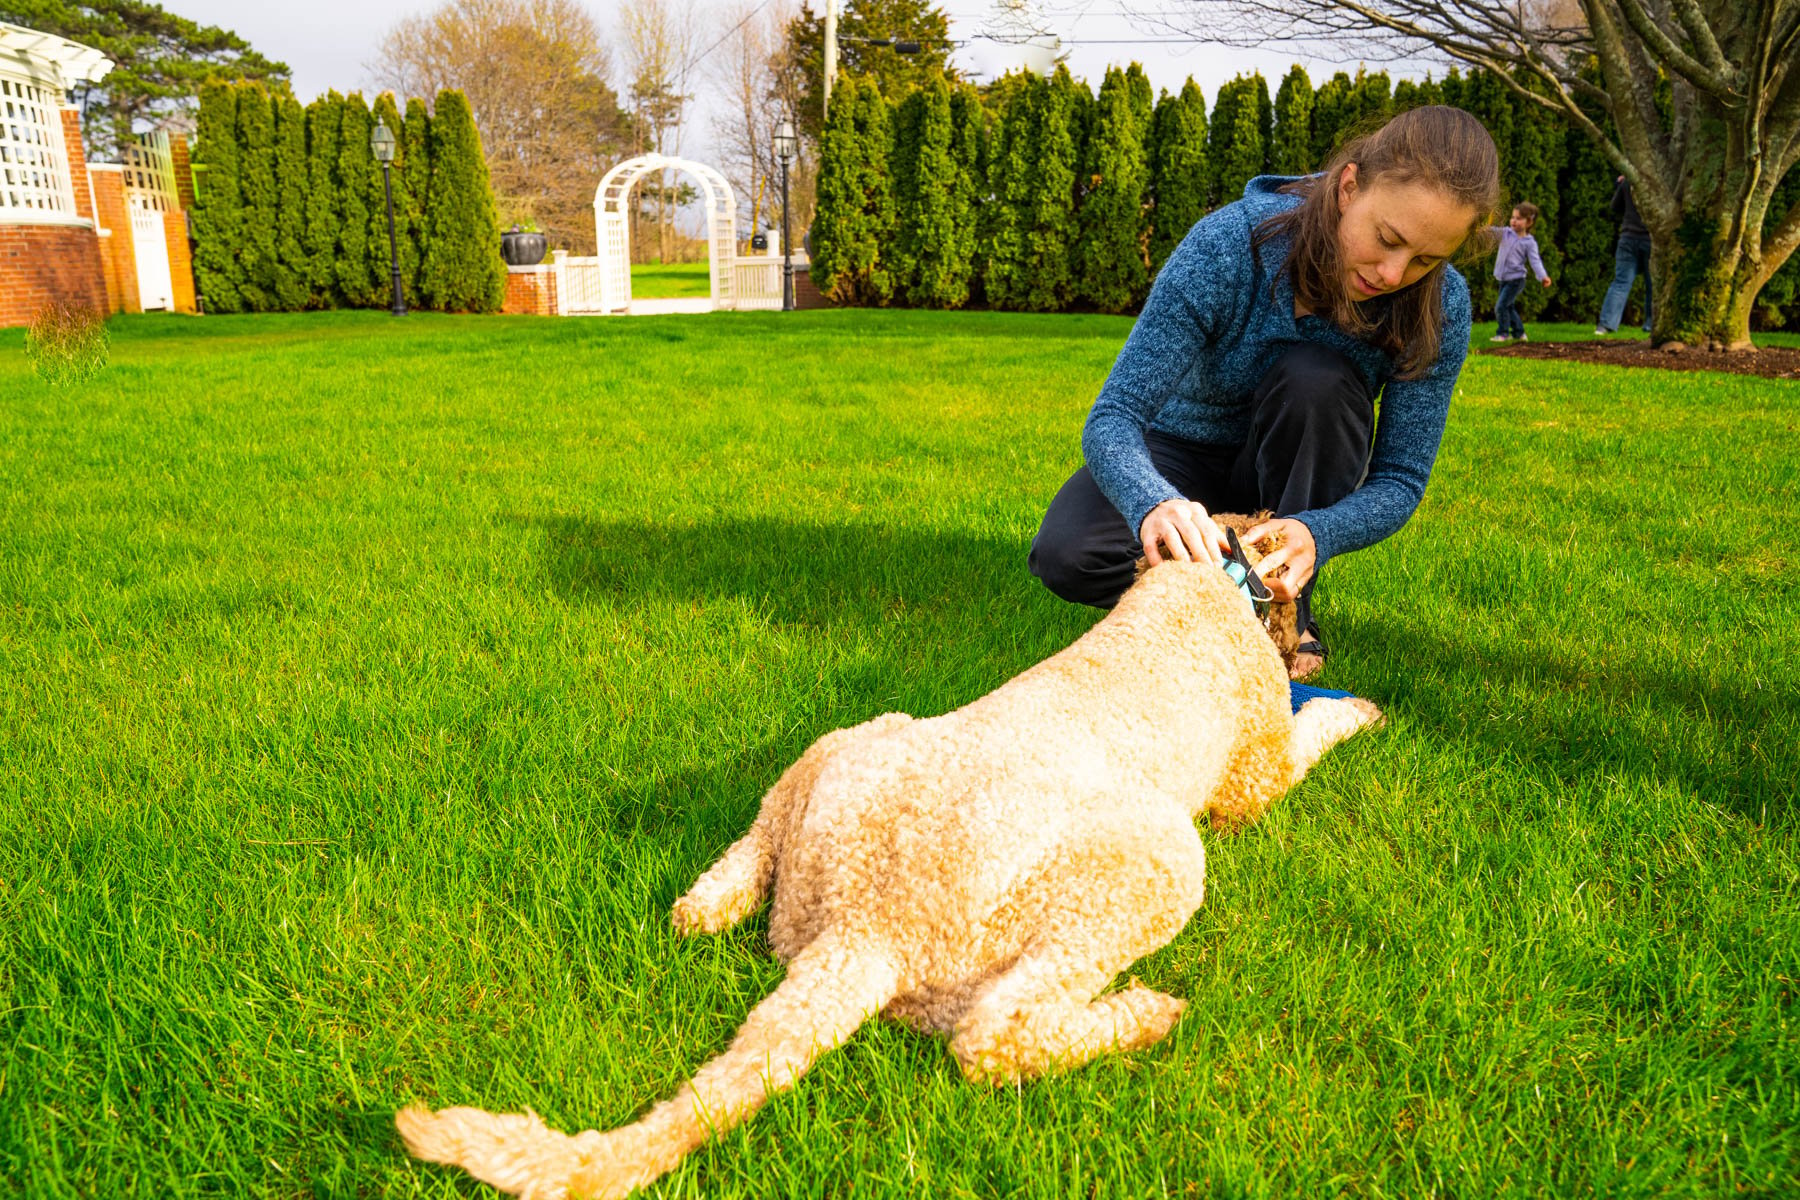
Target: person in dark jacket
[(1250, 381), (1630, 260)]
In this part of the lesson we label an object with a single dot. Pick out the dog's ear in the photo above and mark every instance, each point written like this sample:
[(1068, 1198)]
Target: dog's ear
[(1283, 626)]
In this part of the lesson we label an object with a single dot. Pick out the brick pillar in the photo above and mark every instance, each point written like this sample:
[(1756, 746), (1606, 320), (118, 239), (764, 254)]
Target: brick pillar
[(117, 253), (78, 169), (184, 169), (181, 265)]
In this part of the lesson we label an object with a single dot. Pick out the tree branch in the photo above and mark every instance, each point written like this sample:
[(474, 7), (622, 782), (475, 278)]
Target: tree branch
[(1663, 48), (1634, 114), (1701, 35)]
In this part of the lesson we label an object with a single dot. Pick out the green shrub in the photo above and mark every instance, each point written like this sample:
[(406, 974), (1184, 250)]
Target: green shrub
[(1179, 171), (66, 343)]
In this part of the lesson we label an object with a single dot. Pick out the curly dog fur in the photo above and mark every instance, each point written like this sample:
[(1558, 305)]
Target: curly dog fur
[(984, 874)]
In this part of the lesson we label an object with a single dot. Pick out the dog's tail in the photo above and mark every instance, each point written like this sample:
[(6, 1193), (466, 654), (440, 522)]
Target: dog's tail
[(830, 990)]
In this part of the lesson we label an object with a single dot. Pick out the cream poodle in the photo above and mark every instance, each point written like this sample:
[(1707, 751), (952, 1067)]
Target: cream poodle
[(985, 874)]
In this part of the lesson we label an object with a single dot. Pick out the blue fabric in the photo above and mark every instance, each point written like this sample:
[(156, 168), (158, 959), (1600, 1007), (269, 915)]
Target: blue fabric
[(1506, 309), (1631, 259), (1516, 253), (1299, 693), (1217, 319)]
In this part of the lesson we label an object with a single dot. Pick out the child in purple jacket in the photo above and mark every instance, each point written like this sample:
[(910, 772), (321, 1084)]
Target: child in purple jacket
[(1517, 248)]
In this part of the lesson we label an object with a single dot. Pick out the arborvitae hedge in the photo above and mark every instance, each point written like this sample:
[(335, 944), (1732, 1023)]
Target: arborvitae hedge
[(289, 210), (1290, 147), (1179, 171), (356, 179), (1236, 140), (218, 212), (854, 222), (463, 270), (415, 163), (933, 252), (292, 284), (1111, 271), (260, 197), (1003, 224), (1058, 104), (969, 151)]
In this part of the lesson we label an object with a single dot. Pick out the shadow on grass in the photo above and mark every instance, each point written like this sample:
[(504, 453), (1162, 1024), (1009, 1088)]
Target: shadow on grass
[(1750, 773), (797, 573)]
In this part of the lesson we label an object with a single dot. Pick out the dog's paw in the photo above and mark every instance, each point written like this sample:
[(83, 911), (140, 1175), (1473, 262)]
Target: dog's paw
[(1369, 716)]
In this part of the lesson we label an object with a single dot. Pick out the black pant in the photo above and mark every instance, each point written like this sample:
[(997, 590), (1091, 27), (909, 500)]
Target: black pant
[(1310, 425)]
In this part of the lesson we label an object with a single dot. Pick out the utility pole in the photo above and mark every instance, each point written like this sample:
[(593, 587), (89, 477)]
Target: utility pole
[(830, 51)]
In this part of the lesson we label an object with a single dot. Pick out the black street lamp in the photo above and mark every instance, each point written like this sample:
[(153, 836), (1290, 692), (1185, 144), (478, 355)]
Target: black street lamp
[(382, 142), (786, 146)]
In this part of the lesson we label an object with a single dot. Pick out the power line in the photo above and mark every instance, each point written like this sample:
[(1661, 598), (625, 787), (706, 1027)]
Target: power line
[(747, 19)]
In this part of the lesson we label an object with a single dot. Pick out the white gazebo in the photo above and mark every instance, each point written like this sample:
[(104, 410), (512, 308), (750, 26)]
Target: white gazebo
[(36, 69)]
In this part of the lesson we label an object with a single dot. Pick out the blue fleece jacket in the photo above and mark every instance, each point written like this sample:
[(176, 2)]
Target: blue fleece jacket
[(1217, 319)]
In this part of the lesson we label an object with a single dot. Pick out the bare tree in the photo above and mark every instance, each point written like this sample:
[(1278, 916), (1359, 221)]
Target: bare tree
[(1704, 157), (535, 74), (754, 74), (661, 45)]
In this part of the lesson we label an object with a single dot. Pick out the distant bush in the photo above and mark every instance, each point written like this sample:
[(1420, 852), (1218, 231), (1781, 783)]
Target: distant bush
[(66, 343)]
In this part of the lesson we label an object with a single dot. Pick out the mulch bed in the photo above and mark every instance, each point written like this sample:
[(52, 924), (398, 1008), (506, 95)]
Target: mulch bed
[(1770, 362)]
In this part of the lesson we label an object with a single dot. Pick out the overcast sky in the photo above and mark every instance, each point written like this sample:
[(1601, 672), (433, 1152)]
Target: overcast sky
[(327, 43)]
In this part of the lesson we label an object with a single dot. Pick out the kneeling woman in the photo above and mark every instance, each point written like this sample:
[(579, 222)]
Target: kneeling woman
[(1250, 381)]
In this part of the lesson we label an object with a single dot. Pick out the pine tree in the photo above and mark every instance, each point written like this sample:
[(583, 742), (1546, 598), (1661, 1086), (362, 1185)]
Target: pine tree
[(1180, 176), (1009, 185), (1331, 108), (218, 213), (1538, 152), (1291, 147), (355, 164), (1490, 101), (324, 119), (292, 284), (261, 200), (875, 139), (463, 271), (1110, 269), (415, 155)]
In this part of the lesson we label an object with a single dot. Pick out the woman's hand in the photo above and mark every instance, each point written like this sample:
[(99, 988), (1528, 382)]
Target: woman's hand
[(1181, 530), (1298, 551)]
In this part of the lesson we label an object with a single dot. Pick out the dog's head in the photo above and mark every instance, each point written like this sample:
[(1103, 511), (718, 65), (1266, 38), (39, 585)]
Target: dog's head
[(1281, 619)]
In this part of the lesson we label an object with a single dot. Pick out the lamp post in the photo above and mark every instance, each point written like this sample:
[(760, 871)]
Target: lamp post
[(786, 146), (382, 142)]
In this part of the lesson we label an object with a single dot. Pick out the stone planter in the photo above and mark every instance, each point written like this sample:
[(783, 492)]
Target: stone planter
[(521, 249)]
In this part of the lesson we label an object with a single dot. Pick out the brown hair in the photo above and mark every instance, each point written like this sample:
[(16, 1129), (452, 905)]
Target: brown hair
[(1529, 210), (1435, 144)]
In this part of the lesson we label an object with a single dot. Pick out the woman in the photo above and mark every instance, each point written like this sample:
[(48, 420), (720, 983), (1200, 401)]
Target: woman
[(1250, 380)]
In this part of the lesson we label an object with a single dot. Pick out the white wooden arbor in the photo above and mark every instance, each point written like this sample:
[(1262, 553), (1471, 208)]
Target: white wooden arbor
[(612, 227)]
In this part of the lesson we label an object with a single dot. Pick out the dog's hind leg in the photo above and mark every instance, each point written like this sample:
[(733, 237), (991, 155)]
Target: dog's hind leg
[(1115, 901), (831, 989), (1322, 723), (736, 885)]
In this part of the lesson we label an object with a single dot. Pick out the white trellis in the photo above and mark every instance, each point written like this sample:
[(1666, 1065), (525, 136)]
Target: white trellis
[(612, 228)]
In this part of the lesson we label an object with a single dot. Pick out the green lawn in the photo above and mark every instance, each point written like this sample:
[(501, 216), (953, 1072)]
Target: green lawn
[(373, 687), (665, 280)]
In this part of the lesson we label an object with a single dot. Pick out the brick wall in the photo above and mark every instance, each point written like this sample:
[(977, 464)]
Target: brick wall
[(806, 295), (41, 263), (531, 291)]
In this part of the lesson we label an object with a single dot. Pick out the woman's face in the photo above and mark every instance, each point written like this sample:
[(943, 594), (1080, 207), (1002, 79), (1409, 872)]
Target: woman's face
[(1391, 234)]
